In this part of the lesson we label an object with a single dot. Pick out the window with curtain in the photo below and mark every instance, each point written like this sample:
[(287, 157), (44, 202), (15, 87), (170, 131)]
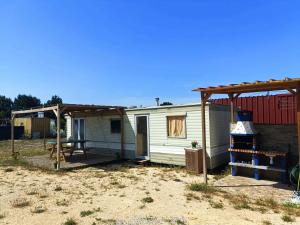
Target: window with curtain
[(176, 126)]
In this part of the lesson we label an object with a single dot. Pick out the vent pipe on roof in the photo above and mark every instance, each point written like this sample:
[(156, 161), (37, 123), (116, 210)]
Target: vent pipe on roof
[(157, 101)]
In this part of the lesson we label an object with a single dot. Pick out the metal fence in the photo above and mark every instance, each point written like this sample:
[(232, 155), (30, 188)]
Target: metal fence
[(273, 109)]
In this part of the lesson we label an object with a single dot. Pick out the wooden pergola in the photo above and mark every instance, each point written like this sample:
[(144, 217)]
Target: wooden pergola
[(235, 90), (71, 110)]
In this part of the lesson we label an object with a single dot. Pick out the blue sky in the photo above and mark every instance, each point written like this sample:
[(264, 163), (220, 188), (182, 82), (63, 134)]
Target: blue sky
[(129, 52)]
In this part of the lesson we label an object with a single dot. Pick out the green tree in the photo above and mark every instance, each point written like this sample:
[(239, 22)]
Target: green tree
[(26, 102), (54, 100), (5, 107), (166, 103)]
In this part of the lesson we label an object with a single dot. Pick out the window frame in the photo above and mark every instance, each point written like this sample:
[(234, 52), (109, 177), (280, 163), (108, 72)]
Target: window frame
[(185, 127)]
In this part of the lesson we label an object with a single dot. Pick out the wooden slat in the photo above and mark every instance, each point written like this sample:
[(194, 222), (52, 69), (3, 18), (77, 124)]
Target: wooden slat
[(245, 87), (259, 152), (257, 167)]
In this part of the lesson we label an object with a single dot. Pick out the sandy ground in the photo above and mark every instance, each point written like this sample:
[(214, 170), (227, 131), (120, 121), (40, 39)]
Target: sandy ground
[(114, 195)]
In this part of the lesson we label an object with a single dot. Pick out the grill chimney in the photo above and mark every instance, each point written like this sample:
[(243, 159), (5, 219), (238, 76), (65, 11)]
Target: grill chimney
[(157, 101)]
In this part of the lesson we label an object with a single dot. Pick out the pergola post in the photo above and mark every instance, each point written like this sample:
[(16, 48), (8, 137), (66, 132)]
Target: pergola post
[(44, 132), (298, 118), (12, 126), (204, 98), (58, 144), (231, 107)]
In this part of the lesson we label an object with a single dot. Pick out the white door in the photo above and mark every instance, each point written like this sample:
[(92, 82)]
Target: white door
[(79, 130)]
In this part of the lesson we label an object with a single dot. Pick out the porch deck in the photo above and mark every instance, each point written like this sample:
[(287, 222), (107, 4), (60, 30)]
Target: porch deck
[(94, 157)]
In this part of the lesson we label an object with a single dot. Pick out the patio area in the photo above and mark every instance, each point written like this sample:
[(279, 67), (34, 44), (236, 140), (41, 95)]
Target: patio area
[(77, 160)]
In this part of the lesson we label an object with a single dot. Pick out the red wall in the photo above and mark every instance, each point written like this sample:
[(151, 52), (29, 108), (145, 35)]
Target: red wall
[(272, 109)]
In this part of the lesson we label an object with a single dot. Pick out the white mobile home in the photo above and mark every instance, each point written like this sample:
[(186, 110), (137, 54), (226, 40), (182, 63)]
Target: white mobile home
[(159, 134)]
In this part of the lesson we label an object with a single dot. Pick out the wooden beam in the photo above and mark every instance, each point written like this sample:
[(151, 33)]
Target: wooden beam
[(43, 109), (58, 145), (298, 118), (203, 103), (55, 112), (292, 91), (12, 133), (231, 97)]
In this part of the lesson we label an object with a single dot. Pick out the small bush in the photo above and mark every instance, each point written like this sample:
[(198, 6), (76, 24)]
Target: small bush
[(9, 169), (147, 200), (2, 215), (180, 222), (86, 213), (58, 188), (20, 203), (70, 221), (287, 218), (291, 205)]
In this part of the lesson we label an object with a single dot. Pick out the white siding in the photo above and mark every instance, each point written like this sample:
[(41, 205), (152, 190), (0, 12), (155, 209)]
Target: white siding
[(217, 130), (160, 142), (97, 131)]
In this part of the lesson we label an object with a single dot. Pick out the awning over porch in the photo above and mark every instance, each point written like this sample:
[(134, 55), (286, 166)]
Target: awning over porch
[(71, 110)]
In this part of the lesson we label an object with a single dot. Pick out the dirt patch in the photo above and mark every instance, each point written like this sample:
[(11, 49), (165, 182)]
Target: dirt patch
[(129, 194)]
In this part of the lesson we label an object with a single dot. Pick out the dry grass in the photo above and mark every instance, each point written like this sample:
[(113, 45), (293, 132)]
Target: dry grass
[(20, 203), (201, 187), (62, 202), (216, 205)]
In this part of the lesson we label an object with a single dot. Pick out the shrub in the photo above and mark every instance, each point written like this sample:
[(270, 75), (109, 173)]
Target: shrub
[(147, 200), (9, 169), (287, 218), (58, 188), (70, 221), (86, 213)]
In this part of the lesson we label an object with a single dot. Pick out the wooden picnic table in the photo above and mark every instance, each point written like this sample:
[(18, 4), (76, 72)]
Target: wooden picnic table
[(65, 149)]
